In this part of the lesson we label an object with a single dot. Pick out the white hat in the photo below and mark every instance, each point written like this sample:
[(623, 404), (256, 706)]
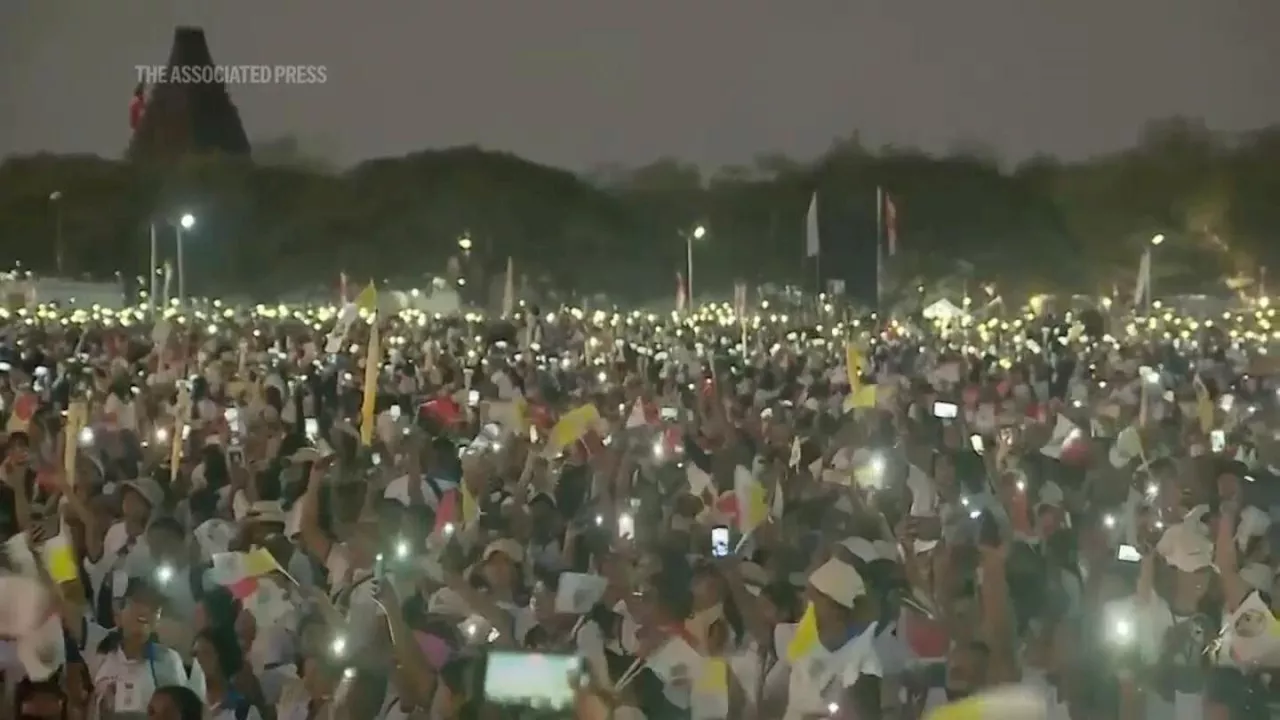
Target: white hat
[(150, 491), (1185, 547), (507, 547), (839, 581)]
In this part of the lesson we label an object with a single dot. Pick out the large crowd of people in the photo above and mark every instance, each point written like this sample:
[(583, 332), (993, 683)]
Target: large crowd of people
[(347, 514)]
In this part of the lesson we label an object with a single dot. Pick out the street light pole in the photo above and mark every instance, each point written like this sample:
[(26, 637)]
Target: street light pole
[(688, 279), (59, 255), (182, 271), (696, 234), (151, 268), (1155, 242), (186, 222)]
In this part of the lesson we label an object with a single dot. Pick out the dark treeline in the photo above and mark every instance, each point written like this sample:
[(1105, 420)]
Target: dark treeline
[(267, 228)]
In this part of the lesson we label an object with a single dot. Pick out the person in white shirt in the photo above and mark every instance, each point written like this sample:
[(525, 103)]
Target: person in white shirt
[(130, 664), (140, 500), (828, 659)]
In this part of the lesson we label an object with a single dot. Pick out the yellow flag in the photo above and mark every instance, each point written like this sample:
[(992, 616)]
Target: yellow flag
[(470, 509), (60, 559), (367, 300), (258, 562), (571, 427), (753, 500), (806, 637), (714, 678), (854, 364), (862, 397), (521, 408), (371, 365), (1204, 405), (77, 416)]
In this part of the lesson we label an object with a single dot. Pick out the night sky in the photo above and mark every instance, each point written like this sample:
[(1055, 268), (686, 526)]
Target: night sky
[(581, 83)]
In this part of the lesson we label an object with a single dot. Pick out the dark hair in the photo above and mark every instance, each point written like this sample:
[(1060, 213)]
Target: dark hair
[(222, 638), (674, 583), (142, 590), (220, 607), (167, 524), (188, 703), (216, 474), (27, 689), (203, 504), (785, 598), (139, 589)]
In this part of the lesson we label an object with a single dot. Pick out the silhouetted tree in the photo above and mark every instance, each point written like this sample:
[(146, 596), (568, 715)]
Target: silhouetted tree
[(1047, 225)]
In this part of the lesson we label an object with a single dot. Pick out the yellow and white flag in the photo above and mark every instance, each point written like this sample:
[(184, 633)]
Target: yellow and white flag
[(752, 499), (1205, 411), (372, 364), (571, 427), (805, 639), (709, 699), (862, 395)]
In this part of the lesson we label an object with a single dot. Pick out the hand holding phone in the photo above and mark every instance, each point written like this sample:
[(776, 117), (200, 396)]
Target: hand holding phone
[(1217, 441), (976, 442)]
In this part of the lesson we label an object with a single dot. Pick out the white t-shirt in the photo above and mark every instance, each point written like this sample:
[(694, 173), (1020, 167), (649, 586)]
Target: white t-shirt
[(123, 687), (113, 556), (817, 680), (1055, 708)]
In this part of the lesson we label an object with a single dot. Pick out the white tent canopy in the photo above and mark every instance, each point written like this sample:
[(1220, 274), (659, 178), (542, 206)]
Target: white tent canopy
[(944, 310)]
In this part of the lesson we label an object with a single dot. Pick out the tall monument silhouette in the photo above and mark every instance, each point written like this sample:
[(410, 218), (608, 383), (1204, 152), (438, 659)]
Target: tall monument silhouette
[(179, 119)]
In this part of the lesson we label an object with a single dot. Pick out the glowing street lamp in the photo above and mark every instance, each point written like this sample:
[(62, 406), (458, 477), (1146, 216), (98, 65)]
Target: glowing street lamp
[(186, 222), (696, 233), (1148, 259)]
